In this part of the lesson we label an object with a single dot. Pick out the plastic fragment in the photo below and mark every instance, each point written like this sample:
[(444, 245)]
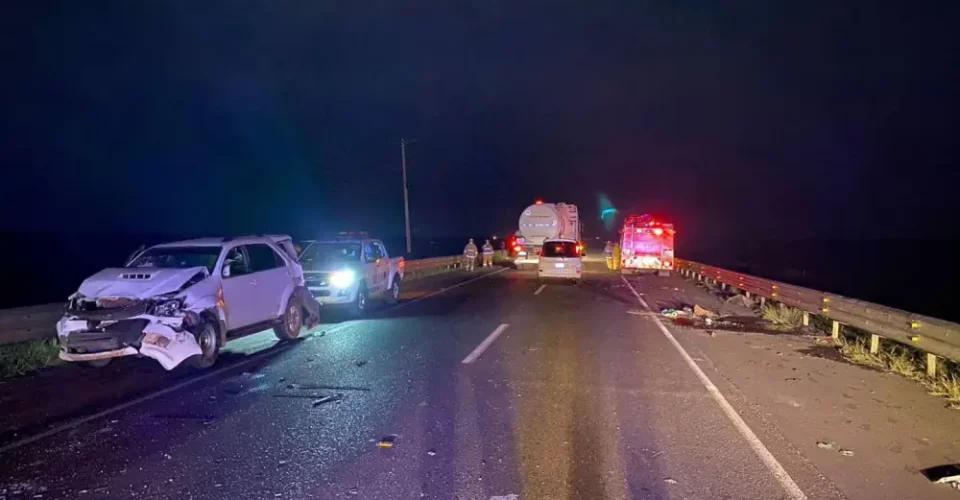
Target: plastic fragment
[(825, 445), (386, 442), (846, 453)]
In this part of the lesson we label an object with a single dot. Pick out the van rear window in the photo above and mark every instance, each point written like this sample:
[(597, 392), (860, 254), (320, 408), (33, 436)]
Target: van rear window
[(560, 249)]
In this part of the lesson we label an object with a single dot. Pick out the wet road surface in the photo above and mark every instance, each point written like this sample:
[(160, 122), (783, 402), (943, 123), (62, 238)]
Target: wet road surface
[(485, 390)]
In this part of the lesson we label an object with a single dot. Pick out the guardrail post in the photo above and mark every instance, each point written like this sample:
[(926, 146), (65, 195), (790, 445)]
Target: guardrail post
[(931, 365), (874, 344), (836, 330), (763, 301), (723, 286), (806, 318), (747, 294)]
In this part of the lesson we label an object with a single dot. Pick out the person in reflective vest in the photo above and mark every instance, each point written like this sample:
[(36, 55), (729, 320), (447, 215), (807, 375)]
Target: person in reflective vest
[(470, 255), (616, 256), (487, 254), (608, 255)]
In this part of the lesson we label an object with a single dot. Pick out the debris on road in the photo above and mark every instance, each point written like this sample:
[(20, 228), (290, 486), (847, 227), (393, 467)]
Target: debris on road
[(711, 333), (353, 491), (327, 399), (791, 379), (704, 313), (635, 312), (282, 379), (943, 474), (825, 445), (386, 442), (670, 480), (846, 453), (360, 362), (512, 496), (671, 313), (431, 452), (741, 300)]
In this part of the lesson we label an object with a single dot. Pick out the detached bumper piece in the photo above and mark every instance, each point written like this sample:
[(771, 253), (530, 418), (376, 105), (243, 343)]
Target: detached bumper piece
[(160, 338)]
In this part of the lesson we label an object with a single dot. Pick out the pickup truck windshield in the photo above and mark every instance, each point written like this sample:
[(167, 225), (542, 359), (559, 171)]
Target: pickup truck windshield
[(559, 249), (321, 254), (178, 257)]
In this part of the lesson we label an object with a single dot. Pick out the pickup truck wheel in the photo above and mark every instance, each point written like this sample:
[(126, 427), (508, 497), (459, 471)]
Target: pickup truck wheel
[(291, 322), (360, 304), (209, 341), (393, 296)]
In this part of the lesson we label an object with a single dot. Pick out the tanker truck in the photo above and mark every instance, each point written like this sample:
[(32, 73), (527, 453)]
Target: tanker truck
[(542, 221)]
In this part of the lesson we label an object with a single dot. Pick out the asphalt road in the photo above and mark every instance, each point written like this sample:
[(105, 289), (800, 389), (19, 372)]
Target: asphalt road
[(495, 388)]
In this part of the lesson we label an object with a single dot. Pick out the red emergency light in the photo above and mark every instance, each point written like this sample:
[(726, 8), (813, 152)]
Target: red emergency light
[(657, 231)]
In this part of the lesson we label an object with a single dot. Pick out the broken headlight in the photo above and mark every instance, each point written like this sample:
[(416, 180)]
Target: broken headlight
[(167, 307)]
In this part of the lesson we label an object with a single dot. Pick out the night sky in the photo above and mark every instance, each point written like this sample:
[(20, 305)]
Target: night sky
[(740, 119)]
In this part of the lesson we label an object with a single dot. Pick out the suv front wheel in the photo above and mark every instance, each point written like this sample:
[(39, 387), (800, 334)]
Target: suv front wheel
[(291, 322), (209, 341)]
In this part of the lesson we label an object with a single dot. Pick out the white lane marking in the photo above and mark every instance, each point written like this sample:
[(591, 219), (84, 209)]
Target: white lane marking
[(758, 447), (539, 289), (205, 376), (418, 299), (484, 345)]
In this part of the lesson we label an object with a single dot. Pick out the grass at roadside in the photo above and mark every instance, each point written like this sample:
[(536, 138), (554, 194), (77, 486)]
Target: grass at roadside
[(782, 317), (23, 357), (904, 361)]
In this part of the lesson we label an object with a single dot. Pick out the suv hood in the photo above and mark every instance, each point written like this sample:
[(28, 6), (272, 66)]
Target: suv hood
[(137, 283)]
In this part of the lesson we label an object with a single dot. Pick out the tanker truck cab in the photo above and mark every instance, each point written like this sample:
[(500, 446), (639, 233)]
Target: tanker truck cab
[(351, 270), (561, 259)]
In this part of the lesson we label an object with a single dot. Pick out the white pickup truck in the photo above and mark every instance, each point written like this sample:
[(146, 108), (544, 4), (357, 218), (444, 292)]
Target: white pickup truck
[(350, 270)]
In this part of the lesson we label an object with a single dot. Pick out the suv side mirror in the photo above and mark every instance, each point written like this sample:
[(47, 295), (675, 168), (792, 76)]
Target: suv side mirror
[(226, 270)]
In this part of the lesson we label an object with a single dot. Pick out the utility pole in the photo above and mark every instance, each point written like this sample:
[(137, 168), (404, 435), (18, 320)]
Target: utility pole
[(406, 194)]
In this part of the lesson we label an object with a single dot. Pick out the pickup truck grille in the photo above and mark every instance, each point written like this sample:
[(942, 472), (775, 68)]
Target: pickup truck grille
[(317, 279)]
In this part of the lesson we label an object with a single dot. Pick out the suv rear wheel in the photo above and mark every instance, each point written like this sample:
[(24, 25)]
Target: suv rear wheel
[(291, 322)]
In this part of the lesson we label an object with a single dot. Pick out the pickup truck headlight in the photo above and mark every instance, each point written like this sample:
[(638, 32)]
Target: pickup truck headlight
[(342, 279)]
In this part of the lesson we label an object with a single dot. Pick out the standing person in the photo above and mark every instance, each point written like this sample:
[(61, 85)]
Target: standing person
[(616, 256), (608, 255), (487, 254), (470, 255)]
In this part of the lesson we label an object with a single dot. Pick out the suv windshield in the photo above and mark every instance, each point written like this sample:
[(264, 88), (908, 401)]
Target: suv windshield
[(320, 254), (560, 249), (178, 257)]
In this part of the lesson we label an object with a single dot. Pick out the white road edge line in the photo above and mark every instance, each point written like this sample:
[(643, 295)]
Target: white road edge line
[(758, 447), (427, 296), (539, 289), (186, 383), (484, 345)]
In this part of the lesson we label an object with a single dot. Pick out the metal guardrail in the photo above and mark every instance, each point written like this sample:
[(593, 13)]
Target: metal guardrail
[(934, 336), (38, 322)]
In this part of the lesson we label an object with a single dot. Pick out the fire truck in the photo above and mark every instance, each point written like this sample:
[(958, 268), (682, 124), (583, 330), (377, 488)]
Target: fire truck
[(646, 244)]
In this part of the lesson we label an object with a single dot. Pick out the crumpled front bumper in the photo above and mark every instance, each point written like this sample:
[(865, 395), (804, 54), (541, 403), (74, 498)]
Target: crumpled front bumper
[(159, 337)]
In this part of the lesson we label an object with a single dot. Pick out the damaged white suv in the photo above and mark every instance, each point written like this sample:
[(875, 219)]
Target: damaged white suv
[(180, 301)]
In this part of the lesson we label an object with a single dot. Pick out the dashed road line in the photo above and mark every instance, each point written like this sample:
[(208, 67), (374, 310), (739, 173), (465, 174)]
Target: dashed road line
[(478, 351), (758, 447), (539, 289)]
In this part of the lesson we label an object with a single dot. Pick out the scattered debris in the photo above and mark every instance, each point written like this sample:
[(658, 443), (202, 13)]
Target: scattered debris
[(825, 445), (846, 453), (387, 442), (512, 496), (635, 312), (670, 480), (711, 333), (741, 300), (282, 379), (353, 491), (327, 399), (670, 313), (943, 474), (431, 452), (791, 379), (360, 362), (422, 403), (282, 463), (322, 333), (293, 386), (704, 313), (167, 456)]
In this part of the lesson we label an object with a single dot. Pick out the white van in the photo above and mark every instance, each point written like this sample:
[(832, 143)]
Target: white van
[(561, 259)]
